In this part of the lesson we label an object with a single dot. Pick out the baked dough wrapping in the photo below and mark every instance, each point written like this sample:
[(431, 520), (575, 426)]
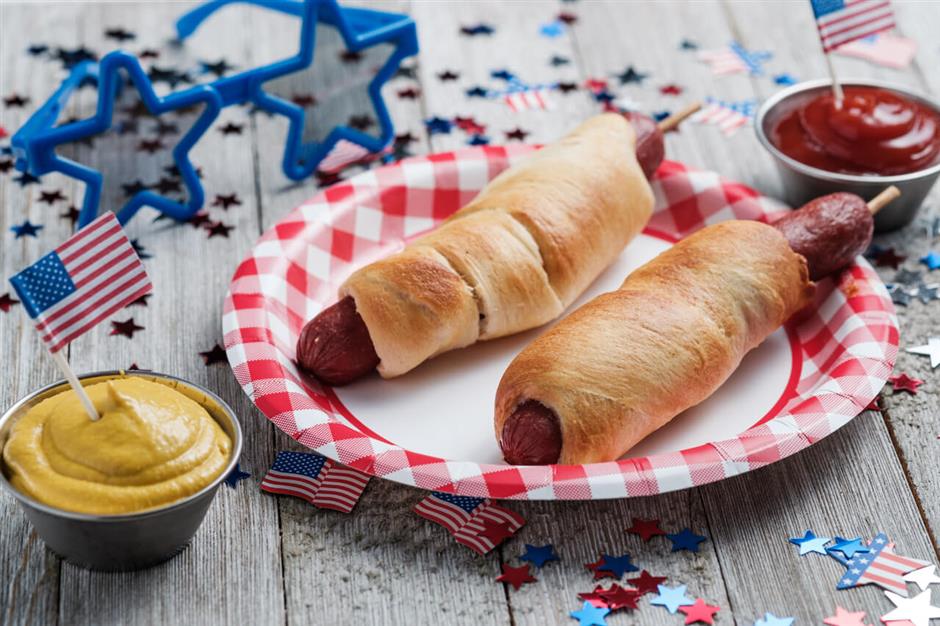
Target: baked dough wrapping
[(629, 361), (525, 248)]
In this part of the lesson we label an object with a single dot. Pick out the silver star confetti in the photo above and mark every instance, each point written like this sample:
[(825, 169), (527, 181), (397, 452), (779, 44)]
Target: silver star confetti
[(907, 277), (926, 293), (931, 349)]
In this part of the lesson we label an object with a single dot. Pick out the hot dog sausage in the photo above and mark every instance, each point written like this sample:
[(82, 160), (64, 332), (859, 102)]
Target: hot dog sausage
[(829, 232), (335, 345)]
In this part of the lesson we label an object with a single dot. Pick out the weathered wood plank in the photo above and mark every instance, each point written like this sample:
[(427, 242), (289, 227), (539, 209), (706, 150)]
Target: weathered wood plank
[(232, 571)]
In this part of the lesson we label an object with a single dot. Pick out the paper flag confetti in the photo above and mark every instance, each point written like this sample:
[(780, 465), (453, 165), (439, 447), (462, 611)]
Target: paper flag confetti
[(728, 116), (316, 479), (883, 49), (474, 522), (734, 59), (879, 566)]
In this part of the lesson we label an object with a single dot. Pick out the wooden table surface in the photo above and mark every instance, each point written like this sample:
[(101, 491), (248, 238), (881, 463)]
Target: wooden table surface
[(260, 559)]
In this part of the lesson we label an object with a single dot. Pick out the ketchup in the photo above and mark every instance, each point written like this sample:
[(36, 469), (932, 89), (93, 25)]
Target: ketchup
[(872, 131)]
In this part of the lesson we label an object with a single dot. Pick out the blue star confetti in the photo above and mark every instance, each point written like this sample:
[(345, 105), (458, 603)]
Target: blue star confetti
[(26, 229), (848, 547), (539, 555), (502, 74), (784, 79), (931, 260), (685, 539), (235, 476), (617, 565), (478, 140), (553, 29), (438, 126), (671, 598), (810, 543), (476, 92), (477, 29), (590, 615)]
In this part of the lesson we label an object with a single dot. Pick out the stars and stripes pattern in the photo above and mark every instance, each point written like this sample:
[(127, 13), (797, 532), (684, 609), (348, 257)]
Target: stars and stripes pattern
[(842, 21), (734, 59), (94, 273), (880, 566), (726, 115), (316, 479), (469, 519), (528, 99), (346, 153)]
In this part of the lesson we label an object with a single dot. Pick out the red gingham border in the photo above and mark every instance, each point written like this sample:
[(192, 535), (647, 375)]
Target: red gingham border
[(849, 340)]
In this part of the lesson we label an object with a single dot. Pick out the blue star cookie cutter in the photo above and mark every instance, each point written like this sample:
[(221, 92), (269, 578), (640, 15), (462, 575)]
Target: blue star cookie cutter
[(35, 143), (360, 30)]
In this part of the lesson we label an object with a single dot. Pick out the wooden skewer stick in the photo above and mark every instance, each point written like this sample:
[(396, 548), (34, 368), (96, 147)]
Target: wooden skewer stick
[(883, 198), (671, 122)]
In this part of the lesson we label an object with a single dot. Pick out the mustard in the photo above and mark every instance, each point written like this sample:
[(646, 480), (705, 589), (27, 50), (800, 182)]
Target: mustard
[(152, 446)]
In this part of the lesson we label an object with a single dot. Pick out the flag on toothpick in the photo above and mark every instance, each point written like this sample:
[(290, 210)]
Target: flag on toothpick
[(93, 274), (316, 479), (842, 21)]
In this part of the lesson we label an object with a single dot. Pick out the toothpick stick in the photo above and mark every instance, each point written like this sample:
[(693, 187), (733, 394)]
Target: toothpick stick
[(70, 376), (836, 85), (671, 122), (883, 198)]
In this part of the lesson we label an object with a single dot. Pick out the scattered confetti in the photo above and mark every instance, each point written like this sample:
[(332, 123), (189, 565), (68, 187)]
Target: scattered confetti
[(320, 481), (477, 29), (6, 165), (448, 75), (931, 349), (687, 44), (770, 619), (809, 542), (672, 598), (903, 382), (567, 18), (51, 197), (558, 61), (166, 185), (140, 249), (231, 128), (133, 188), (169, 76), (931, 260), (646, 528), (539, 555), (515, 576), (553, 29), (6, 302), (565, 87), (917, 610), (150, 146), (845, 618), (907, 277), (685, 540), (646, 583), (119, 34), (215, 355), (734, 59), (226, 200), (350, 56), (127, 328), (590, 615), (26, 229), (304, 99), (616, 565), (699, 611), (469, 125), (881, 566), (219, 68), (25, 178), (728, 116), (517, 134), (888, 258), (848, 547), (15, 101), (784, 80), (236, 476), (631, 75), (409, 93), (923, 577), (618, 597), (218, 229), (438, 126), (468, 518)]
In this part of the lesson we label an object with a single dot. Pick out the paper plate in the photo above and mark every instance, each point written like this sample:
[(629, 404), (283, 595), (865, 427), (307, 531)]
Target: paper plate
[(432, 428)]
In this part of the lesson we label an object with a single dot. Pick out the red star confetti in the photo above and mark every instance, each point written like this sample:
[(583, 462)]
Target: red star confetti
[(497, 533), (447, 75), (903, 382), (646, 528), (873, 405), (199, 219), (845, 618), (231, 128), (670, 90), (127, 328), (226, 200), (469, 125), (71, 214), (7, 302), (595, 567), (889, 258), (303, 99), (699, 612), (215, 355), (567, 18), (516, 133), (594, 597), (51, 197), (15, 100), (150, 146), (141, 301), (618, 597), (595, 84), (409, 93), (647, 583), (4, 133), (515, 576), (218, 229)]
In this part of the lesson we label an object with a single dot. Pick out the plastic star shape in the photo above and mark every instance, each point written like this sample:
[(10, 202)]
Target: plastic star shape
[(931, 349), (646, 528), (235, 476), (699, 611), (670, 90), (617, 565), (770, 619), (630, 75), (51, 197), (26, 229), (917, 610), (903, 382), (218, 229), (552, 29), (590, 615), (594, 597), (127, 328), (931, 260), (6, 302), (685, 539), (810, 543), (539, 555), (447, 75), (923, 577), (438, 126), (515, 576), (215, 355), (517, 134), (848, 547), (646, 583), (845, 618), (497, 533), (672, 598), (618, 597), (226, 200)]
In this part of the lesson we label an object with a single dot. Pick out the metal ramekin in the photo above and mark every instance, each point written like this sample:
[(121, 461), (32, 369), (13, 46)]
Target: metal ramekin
[(803, 183), (130, 541)]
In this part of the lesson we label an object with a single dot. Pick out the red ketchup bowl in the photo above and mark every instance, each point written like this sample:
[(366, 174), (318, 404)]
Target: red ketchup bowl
[(882, 134)]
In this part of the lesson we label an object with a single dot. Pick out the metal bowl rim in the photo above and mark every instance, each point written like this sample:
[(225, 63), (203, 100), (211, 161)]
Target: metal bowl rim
[(874, 179), (26, 500)]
